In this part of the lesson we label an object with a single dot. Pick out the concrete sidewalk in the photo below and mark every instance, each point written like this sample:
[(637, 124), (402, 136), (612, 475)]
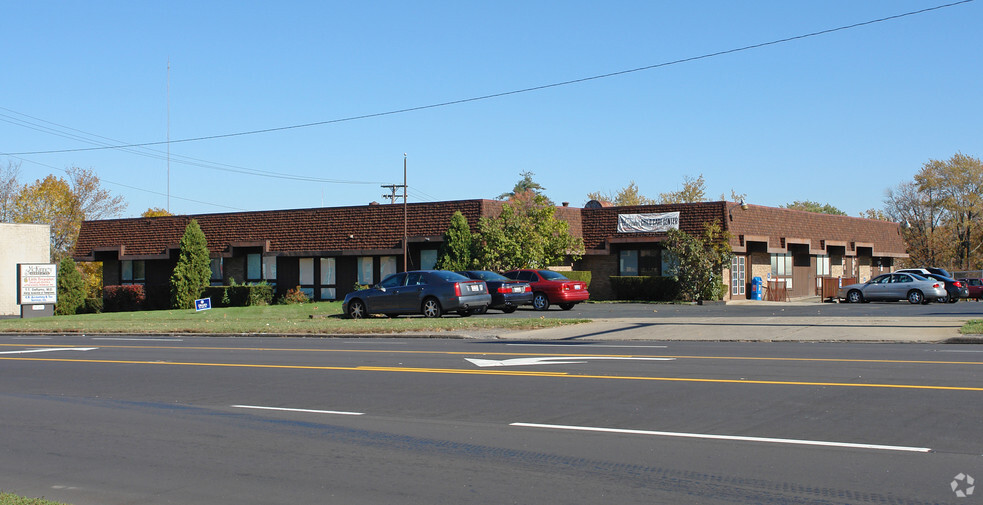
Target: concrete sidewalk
[(764, 329)]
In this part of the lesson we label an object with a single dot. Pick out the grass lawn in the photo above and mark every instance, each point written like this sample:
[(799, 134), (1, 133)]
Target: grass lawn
[(12, 499), (272, 319), (973, 327)]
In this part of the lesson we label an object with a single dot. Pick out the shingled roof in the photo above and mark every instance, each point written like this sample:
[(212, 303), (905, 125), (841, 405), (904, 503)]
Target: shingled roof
[(369, 227), (759, 223)]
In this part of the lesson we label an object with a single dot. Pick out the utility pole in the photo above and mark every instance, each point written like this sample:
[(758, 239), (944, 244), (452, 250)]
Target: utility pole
[(392, 196)]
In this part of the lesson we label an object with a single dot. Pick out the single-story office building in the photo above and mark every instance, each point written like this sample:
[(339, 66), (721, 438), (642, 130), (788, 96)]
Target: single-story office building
[(327, 251)]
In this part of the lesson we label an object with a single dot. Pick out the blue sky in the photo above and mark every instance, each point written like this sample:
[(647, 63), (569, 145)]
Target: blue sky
[(836, 118)]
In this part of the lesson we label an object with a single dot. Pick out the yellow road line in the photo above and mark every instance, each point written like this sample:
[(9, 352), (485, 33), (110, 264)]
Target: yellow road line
[(482, 353), (507, 373)]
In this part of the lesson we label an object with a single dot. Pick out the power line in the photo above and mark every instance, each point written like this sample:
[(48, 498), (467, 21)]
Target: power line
[(132, 187), (512, 92), (156, 154)]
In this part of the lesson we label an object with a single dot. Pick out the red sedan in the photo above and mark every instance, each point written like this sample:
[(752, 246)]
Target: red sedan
[(975, 288), (551, 287)]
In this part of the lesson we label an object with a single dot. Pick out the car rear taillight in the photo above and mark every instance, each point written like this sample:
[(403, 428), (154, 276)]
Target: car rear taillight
[(528, 288), (457, 289), (566, 287), (936, 285), (957, 284), (504, 288)]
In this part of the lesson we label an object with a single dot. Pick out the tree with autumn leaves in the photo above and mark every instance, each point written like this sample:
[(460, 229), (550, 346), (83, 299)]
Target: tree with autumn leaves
[(941, 213)]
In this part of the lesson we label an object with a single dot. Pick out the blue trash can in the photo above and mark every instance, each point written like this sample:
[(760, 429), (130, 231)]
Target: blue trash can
[(756, 288)]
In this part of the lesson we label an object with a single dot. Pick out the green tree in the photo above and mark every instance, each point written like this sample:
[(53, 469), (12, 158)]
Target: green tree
[(527, 234), (456, 251), (524, 185), (700, 260), (71, 288), (811, 206), (694, 190), (628, 195), (193, 270)]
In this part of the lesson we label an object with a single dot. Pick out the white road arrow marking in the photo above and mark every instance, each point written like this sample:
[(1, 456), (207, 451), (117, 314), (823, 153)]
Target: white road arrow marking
[(51, 349), (557, 360)]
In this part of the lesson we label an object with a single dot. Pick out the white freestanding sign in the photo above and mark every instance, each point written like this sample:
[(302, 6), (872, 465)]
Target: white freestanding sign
[(37, 289)]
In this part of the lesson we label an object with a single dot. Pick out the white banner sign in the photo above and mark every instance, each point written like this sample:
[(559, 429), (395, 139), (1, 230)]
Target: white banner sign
[(648, 223), (38, 284)]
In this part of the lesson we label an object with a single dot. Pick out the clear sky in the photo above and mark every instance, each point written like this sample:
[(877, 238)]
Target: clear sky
[(835, 118)]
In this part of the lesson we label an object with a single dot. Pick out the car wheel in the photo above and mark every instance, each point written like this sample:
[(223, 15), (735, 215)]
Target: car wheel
[(567, 306), (944, 299), (479, 310), (431, 308), (540, 301), (464, 313), (854, 296), (356, 309), (954, 299), (510, 309), (915, 297)]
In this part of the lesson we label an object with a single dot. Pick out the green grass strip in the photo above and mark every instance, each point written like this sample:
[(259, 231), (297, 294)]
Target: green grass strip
[(308, 319), (12, 499)]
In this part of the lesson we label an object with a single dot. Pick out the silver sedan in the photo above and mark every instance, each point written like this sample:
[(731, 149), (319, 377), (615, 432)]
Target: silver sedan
[(897, 286)]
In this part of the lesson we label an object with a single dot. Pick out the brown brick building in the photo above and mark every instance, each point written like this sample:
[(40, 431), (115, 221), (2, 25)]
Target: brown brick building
[(327, 251)]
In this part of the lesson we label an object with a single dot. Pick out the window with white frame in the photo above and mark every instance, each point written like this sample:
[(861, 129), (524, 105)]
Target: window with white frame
[(628, 262), (670, 263), (387, 266), (254, 267), (306, 277), (215, 264), (822, 265), (781, 265), (737, 275), (133, 271), (365, 271), (328, 279), (428, 259)]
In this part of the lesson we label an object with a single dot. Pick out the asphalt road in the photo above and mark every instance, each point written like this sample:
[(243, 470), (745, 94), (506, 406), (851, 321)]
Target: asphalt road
[(753, 310), (265, 420)]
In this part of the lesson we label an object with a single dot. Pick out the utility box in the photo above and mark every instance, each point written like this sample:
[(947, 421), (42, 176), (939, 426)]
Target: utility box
[(756, 289)]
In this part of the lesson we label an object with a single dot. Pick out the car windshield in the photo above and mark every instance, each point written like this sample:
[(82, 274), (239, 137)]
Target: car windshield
[(552, 276), (448, 276), (487, 276)]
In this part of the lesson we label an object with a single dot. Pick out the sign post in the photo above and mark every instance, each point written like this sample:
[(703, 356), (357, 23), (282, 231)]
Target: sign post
[(37, 289)]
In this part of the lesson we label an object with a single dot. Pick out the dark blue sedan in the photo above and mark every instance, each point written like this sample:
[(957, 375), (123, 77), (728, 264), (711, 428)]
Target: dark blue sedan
[(428, 292), (507, 294)]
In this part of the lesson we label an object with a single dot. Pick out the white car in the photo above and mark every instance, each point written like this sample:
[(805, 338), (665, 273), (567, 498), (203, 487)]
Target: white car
[(895, 286)]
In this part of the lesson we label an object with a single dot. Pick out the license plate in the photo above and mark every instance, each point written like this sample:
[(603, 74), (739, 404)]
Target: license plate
[(517, 290), (474, 287), (576, 286)]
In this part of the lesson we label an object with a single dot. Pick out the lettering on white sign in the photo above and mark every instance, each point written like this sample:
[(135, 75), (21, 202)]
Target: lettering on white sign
[(38, 284), (648, 223)]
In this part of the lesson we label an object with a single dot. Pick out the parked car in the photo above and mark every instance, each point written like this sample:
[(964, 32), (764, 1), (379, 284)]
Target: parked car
[(975, 288), (506, 294), (428, 292), (895, 286), (925, 271), (550, 287), (954, 289)]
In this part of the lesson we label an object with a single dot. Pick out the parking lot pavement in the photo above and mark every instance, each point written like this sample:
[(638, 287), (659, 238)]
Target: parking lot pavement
[(803, 320)]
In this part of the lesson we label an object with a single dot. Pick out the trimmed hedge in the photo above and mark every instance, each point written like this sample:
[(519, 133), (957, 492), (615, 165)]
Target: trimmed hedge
[(239, 295), (579, 275), (645, 288)]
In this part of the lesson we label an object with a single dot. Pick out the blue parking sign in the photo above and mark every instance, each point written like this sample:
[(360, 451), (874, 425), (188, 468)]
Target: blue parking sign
[(203, 304)]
